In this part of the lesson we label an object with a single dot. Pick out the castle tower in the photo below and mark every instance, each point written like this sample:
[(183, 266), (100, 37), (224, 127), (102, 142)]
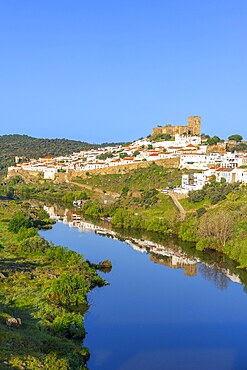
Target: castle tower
[(194, 125)]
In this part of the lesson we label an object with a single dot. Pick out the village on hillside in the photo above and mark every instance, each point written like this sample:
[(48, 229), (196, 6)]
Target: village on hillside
[(183, 146)]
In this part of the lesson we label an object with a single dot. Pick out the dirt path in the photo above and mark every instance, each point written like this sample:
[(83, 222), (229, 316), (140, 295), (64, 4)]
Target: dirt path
[(96, 190), (177, 204)]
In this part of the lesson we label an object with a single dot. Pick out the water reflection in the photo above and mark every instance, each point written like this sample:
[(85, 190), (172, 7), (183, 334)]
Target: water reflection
[(163, 250), (190, 269)]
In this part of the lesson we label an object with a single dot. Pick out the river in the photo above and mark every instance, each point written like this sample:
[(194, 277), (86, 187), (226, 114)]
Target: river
[(165, 308)]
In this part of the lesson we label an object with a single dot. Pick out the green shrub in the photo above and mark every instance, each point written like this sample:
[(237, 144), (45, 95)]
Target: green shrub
[(157, 224), (188, 230), (68, 290), (18, 220), (92, 209), (200, 211), (70, 325), (63, 255), (52, 362), (33, 245), (25, 233)]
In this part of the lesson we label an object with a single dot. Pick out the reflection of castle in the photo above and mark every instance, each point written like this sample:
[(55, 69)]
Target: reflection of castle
[(193, 128), (174, 262)]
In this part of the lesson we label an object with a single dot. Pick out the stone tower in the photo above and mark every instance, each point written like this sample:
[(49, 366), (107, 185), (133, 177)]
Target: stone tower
[(194, 125)]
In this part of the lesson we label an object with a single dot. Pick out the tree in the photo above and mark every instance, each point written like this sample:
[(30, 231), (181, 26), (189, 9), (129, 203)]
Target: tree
[(217, 225), (239, 147), (18, 220), (123, 155), (235, 137), (213, 140), (136, 153), (196, 196), (33, 244), (188, 230)]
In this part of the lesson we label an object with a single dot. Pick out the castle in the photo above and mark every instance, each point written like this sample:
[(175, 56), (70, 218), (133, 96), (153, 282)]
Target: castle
[(193, 128)]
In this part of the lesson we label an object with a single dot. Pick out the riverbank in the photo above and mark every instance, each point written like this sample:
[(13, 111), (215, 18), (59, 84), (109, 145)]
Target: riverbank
[(157, 295), (43, 295), (213, 218)]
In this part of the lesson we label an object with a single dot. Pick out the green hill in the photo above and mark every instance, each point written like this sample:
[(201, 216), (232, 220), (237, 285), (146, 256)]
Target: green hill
[(31, 147)]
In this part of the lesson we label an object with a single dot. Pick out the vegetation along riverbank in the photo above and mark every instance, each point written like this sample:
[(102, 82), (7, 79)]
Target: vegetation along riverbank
[(215, 217), (43, 294)]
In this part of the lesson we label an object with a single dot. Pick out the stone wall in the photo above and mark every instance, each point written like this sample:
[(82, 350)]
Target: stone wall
[(167, 162), (71, 174), (27, 176), (217, 148)]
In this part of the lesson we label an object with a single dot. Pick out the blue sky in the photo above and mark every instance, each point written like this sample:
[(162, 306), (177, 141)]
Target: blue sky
[(110, 70)]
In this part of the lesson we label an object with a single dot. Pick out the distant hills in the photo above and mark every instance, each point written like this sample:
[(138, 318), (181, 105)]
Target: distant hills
[(31, 147)]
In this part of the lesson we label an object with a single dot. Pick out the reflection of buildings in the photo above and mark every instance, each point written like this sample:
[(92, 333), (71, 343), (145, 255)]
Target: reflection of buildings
[(170, 255), (51, 213), (190, 268)]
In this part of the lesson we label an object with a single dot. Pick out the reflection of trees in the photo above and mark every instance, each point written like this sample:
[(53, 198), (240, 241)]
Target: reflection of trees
[(216, 260), (212, 273)]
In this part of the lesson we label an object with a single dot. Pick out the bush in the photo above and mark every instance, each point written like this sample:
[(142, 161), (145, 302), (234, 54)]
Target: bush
[(200, 211), (157, 224), (18, 220), (68, 290), (92, 209), (216, 191), (70, 325), (33, 245), (188, 230), (71, 196), (206, 243), (196, 196), (52, 362), (64, 256), (25, 233), (126, 219)]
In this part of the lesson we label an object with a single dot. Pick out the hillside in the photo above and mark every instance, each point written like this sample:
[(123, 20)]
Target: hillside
[(153, 176), (31, 147)]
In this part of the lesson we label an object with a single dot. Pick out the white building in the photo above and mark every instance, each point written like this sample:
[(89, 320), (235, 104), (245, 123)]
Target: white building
[(194, 181), (229, 160), (239, 175), (49, 173), (193, 161), (224, 173)]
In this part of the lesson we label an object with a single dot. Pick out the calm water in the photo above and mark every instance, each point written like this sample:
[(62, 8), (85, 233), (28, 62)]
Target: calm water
[(159, 312)]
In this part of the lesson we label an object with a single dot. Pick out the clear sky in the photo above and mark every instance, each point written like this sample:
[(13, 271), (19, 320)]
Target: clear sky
[(110, 70)]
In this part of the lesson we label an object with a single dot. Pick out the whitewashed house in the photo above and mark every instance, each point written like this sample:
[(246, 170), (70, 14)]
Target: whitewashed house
[(193, 161), (229, 160), (194, 181), (224, 173), (49, 173)]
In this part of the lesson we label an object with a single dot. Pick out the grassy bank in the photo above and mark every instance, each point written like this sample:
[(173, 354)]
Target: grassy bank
[(43, 295)]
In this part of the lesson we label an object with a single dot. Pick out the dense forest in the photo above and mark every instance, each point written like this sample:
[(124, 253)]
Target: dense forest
[(31, 147)]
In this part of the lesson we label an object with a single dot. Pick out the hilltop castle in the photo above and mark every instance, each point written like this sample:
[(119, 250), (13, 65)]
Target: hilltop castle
[(193, 128)]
